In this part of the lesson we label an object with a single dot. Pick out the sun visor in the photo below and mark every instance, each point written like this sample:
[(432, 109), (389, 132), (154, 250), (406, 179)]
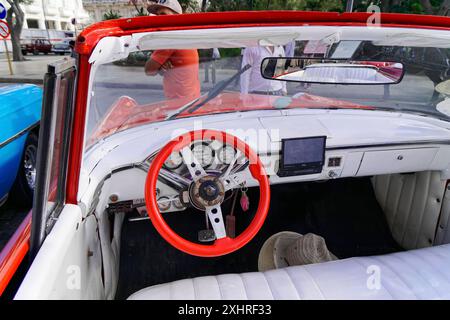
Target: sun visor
[(110, 49), (114, 48), (223, 38)]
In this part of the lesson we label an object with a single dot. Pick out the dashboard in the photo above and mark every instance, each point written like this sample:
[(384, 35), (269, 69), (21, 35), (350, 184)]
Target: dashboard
[(301, 146)]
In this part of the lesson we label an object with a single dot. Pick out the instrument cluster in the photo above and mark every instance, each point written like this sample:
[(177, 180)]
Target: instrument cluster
[(210, 154), (214, 156)]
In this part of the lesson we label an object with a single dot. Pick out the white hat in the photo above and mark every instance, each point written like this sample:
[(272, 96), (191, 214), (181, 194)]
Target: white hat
[(288, 248), (173, 5)]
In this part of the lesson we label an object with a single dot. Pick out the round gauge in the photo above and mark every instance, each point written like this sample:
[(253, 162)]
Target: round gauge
[(226, 154), (203, 153), (173, 161), (176, 202), (163, 203)]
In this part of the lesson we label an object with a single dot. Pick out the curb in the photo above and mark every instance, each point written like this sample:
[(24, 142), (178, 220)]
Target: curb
[(22, 80)]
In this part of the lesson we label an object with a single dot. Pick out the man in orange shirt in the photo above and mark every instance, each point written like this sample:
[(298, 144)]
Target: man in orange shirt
[(179, 68)]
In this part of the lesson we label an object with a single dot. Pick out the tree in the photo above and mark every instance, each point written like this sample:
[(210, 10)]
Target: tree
[(436, 7), (204, 5), (110, 15), (427, 7), (141, 11), (15, 19), (444, 9), (308, 5), (189, 5)]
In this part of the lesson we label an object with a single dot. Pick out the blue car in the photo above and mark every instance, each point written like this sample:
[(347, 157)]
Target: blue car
[(20, 114)]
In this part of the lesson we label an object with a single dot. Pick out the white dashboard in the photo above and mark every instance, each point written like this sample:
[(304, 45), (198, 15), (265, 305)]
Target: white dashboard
[(358, 143)]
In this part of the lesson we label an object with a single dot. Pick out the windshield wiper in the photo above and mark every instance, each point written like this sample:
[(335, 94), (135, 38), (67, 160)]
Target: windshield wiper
[(184, 108), (214, 92)]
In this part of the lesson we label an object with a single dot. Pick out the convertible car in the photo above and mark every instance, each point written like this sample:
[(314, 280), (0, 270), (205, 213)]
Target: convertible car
[(335, 187), (20, 113)]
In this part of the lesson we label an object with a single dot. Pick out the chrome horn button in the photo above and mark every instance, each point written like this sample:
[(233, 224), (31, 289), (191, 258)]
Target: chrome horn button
[(208, 191)]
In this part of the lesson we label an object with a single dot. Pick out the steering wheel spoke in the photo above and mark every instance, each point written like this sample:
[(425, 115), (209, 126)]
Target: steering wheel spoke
[(192, 163), (216, 218), (233, 181), (232, 163)]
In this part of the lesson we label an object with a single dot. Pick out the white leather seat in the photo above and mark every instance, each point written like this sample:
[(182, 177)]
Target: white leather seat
[(416, 274)]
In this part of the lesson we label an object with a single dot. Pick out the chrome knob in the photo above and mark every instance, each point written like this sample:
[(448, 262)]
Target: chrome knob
[(332, 174)]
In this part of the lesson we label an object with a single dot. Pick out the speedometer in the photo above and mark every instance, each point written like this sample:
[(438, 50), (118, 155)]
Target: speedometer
[(173, 161), (203, 153), (226, 154)]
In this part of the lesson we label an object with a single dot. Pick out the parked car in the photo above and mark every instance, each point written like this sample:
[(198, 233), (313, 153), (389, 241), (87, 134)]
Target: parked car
[(36, 46), (343, 192), (20, 114), (62, 47)]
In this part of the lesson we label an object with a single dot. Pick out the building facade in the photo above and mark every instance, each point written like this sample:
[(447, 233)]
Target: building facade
[(55, 15), (97, 8), (52, 19), (124, 8)]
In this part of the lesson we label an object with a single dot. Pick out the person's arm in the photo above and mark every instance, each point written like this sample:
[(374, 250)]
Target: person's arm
[(247, 58), (159, 61), (152, 67)]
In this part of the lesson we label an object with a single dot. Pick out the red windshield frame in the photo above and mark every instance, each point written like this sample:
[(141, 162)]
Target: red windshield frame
[(123, 27)]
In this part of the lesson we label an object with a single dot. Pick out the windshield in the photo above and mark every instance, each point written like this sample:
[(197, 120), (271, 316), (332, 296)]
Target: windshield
[(210, 76)]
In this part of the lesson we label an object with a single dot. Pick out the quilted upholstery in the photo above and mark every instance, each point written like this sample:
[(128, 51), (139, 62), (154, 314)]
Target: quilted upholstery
[(412, 203), (417, 274), (443, 230)]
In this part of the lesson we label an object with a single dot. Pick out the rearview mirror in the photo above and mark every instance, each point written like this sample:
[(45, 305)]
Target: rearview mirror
[(332, 71)]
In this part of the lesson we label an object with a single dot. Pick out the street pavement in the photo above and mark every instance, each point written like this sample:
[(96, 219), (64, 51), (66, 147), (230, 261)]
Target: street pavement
[(30, 71)]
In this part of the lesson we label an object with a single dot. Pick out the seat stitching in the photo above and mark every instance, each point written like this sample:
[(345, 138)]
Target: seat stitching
[(396, 274), (195, 291), (397, 204), (268, 285), (420, 231), (218, 285), (438, 252), (243, 284), (406, 225), (292, 282), (429, 263), (170, 291), (388, 190), (298, 292), (314, 282), (445, 276), (399, 257), (385, 289)]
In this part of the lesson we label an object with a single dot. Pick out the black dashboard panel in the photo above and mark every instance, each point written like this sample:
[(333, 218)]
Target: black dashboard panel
[(301, 156)]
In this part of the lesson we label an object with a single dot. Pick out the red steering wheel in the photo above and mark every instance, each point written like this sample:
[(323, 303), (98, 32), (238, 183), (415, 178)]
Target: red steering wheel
[(210, 192)]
